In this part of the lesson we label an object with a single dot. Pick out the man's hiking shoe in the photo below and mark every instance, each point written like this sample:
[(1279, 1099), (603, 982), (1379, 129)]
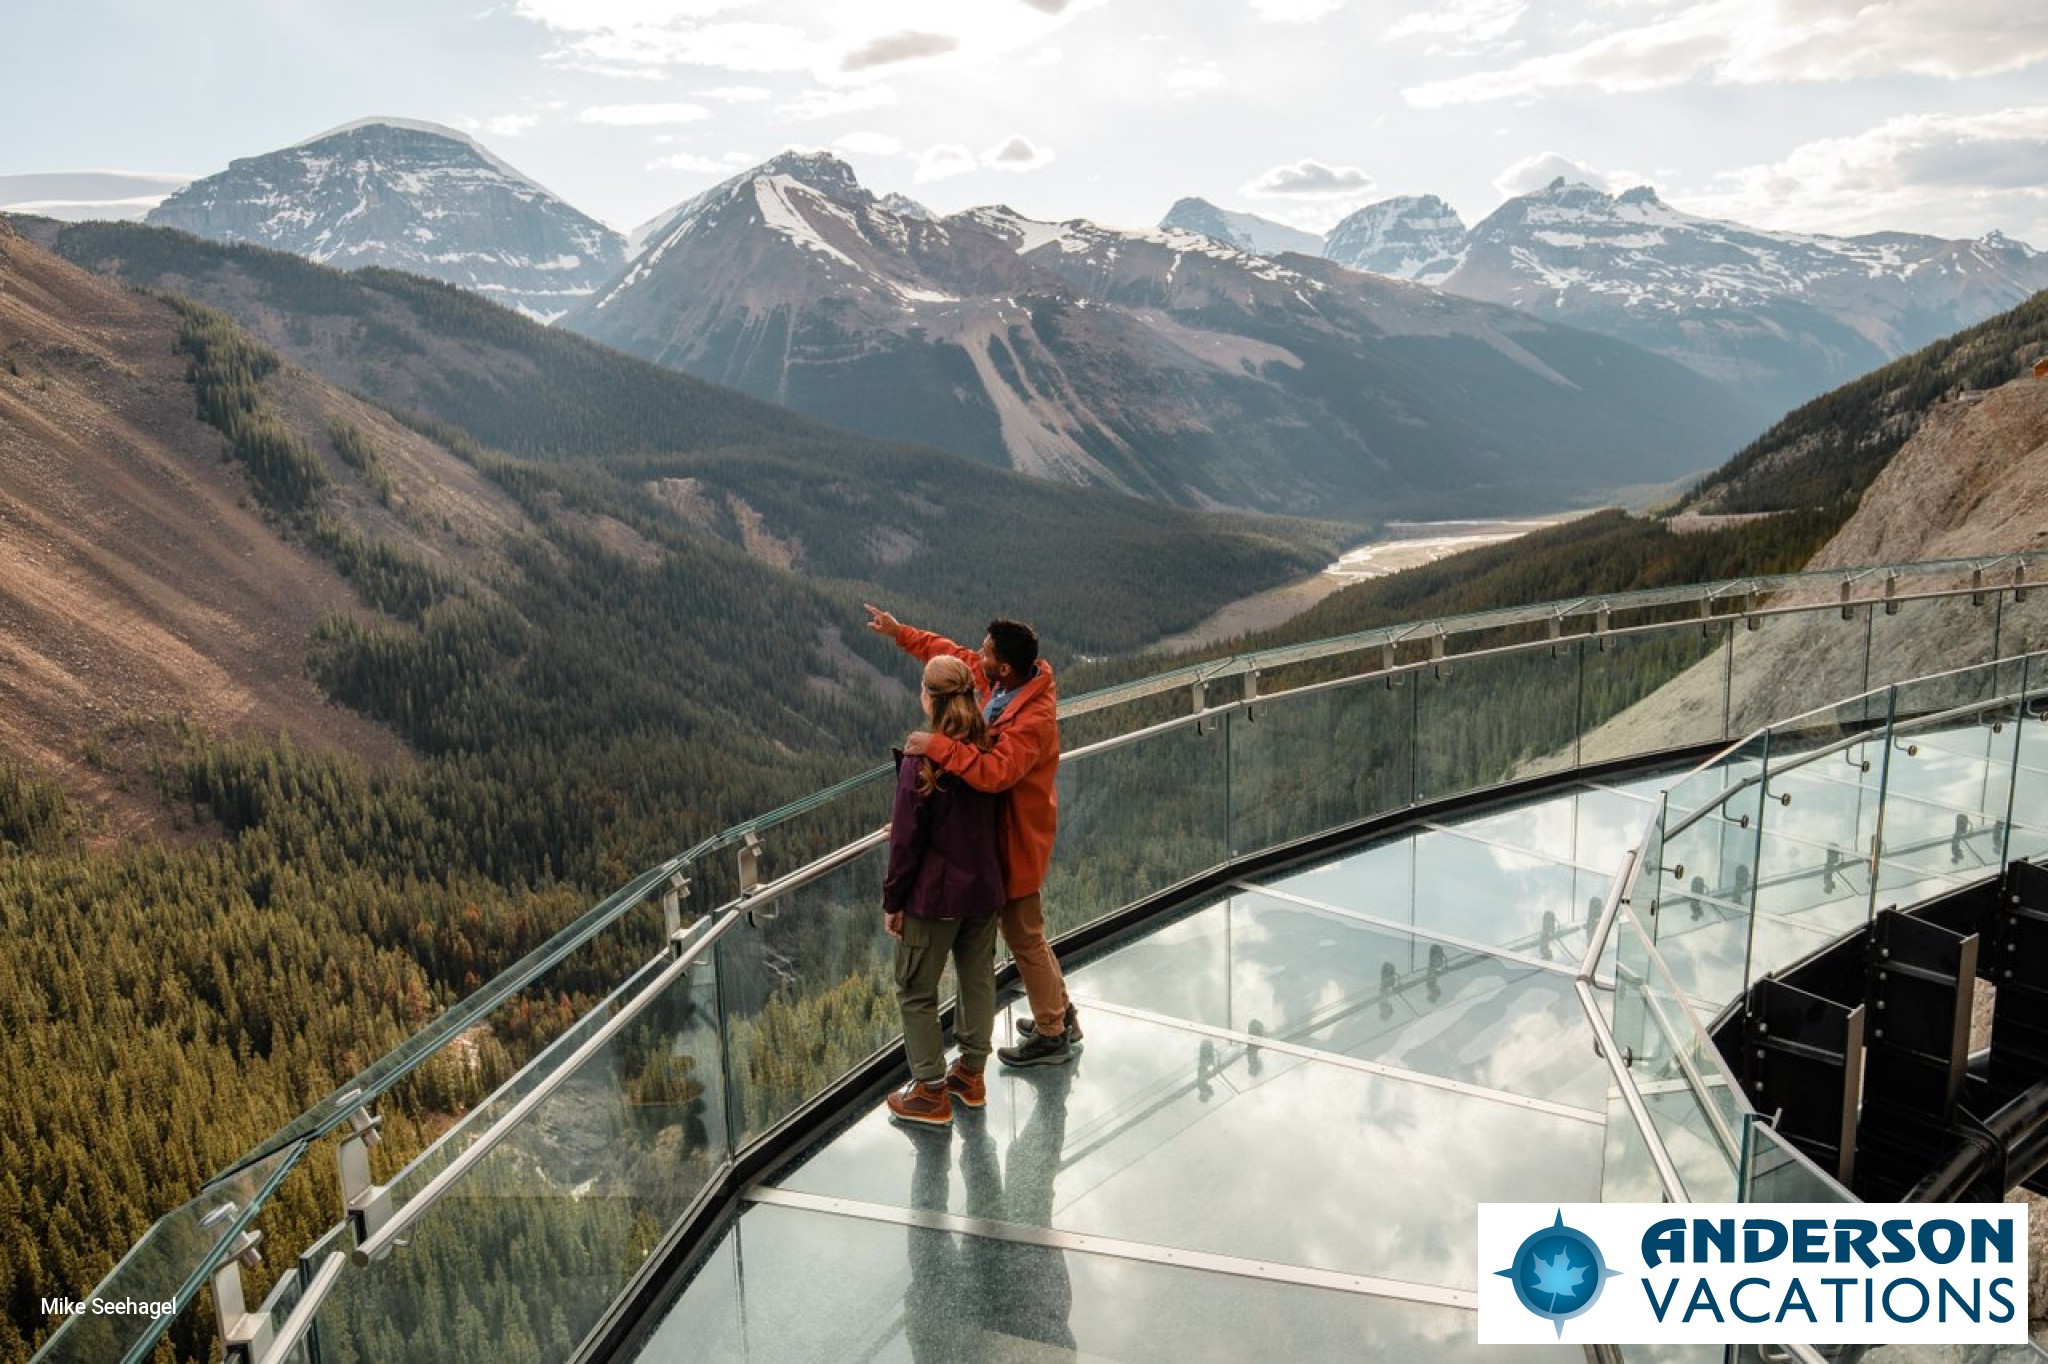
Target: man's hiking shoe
[(929, 1105), (1038, 1051), (1028, 1027), (968, 1086)]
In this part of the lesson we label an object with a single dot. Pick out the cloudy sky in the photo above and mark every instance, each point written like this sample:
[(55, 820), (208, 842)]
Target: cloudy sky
[(1817, 115)]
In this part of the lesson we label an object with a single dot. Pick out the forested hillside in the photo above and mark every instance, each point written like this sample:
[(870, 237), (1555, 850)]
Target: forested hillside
[(1828, 451)]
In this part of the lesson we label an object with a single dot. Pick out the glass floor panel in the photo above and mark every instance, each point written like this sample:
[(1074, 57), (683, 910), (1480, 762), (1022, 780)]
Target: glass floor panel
[(896, 1293), (1585, 826), (1270, 967), (1443, 883), (1160, 1135), (1640, 786)]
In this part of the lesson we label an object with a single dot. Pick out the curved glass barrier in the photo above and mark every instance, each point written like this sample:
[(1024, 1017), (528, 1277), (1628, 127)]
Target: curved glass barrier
[(792, 990)]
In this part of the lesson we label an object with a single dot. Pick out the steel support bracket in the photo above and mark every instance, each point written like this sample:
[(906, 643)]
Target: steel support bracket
[(672, 911), (245, 1336), (365, 1202)]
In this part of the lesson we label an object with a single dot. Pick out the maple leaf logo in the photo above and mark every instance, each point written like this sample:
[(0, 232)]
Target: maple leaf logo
[(1557, 1277), (1557, 1273)]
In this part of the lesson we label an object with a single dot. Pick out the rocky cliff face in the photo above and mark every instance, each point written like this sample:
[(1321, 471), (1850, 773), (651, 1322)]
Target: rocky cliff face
[(1972, 481), (412, 197)]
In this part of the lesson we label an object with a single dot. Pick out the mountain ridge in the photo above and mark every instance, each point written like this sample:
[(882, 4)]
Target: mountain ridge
[(1159, 363), (412, 196)]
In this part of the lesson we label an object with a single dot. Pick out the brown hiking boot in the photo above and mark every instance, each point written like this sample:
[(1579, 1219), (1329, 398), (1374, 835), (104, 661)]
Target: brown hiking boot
[(916, 1102), (968, 1086)]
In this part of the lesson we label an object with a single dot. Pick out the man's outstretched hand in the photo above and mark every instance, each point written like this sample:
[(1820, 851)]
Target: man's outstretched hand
[(881, 622)]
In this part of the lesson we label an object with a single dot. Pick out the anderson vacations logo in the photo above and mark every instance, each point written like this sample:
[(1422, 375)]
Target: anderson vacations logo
[(1752, 1273)]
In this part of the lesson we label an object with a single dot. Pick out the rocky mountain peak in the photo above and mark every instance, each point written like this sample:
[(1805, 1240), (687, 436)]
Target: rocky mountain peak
[(903, 206), (1245, 231), (408, 196), (820, 171), (1415, 236)]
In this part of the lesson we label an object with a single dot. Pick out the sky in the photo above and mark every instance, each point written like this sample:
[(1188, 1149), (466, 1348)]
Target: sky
[(1819, 116)]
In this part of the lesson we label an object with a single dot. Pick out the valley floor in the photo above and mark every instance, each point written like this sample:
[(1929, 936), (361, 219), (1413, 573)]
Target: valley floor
[(1405, 544)]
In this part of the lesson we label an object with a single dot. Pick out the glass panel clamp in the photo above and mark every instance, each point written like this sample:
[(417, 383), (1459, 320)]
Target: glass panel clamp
[(750, 863), (672, 911), (366, 1203), (244, 1335)]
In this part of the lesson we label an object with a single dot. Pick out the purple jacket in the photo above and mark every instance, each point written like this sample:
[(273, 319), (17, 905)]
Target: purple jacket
[(945, 849)]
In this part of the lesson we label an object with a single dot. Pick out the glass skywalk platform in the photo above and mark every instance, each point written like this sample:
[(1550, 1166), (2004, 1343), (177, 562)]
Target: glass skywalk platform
[(1289, 1102), (1364, 933)]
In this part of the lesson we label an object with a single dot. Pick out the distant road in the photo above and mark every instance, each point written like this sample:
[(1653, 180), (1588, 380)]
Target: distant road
[(1405, 544)]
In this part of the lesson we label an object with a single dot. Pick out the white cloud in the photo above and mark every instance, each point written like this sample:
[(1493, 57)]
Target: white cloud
[(1017, 154), (943, 162), (1309, 179), (908, 45), (737, 94), (642, 115), (1960, 176), (1295, 11), (1461, 25), (830, 103), (1534, 172), (704, 165), (1194, 80), (869, 144), (1742, 42), (501, 125), (642, 48)]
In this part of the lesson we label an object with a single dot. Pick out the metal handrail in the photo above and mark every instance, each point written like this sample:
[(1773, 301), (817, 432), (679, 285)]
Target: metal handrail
[(381, 1240)]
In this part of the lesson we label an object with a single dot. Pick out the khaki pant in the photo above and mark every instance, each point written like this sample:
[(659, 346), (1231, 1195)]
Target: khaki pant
[(1023, 921), (921, 958)]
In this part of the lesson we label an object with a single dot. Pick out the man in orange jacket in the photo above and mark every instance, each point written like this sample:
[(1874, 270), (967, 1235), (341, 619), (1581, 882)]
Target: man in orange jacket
[(1022, 709)]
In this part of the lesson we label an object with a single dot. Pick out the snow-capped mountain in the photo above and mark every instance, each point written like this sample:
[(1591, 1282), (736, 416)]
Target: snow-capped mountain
[(1779, 317), (1164, 363), (1245, 231), (1418, 237), (409, 196)]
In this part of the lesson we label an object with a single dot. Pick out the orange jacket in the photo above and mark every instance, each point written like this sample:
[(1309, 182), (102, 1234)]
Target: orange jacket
[(1022, 760)]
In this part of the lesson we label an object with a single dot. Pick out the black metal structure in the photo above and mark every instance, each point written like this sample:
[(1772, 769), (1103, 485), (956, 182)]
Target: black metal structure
[(1861, 1053)]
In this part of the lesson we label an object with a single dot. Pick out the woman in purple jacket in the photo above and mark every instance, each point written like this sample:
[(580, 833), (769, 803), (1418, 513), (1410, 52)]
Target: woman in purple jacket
[(941, 894)]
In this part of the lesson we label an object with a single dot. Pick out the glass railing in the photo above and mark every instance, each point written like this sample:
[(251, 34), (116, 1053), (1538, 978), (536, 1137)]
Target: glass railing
[(1782, 843), (1776, 847), (698, 1024)]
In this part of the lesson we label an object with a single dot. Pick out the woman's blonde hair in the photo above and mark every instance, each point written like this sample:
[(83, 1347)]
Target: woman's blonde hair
[(955, 712)]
